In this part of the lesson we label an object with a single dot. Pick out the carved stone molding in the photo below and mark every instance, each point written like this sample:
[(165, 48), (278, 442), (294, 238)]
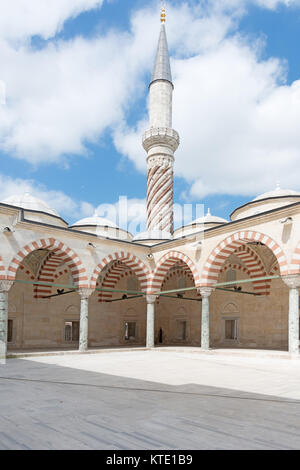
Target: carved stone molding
[(292, 281), (151, 299), (85, 293), (5, 285), (161, 136), (160, 161), (206, 291)]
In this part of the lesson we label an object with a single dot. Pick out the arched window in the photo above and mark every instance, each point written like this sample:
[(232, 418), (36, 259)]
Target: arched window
[(181, 283), (231, 276), (132, 284)]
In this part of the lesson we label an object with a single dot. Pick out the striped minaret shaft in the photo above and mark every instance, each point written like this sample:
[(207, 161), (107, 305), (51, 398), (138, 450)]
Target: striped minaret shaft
[(160, 141)]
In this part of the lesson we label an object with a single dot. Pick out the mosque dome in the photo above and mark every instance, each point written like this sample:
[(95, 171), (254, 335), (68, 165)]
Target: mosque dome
[(94, 221), (102, 227), (210, 219), (266, 202), (31, 203), (153, 236), (278, 192), (35, 209), (200, 224)]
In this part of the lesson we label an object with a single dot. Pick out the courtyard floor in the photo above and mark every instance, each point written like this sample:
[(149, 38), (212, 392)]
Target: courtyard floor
[(162, 399)]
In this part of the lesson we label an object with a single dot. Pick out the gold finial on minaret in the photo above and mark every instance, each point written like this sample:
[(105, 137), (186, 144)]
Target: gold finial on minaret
[(163, 14)]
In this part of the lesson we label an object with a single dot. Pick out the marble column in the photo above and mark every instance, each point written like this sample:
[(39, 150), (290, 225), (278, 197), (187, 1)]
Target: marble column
[(4, 288), (84, 318), (293, 283), (205, 294), (150, 328)]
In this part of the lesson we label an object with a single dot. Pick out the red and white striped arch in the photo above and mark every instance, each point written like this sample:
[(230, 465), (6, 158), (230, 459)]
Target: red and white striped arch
[(165, 264), (130, 260), (262, 288), (180, 269), (237, 267), (60, 250), (117, 271), (227, 247), (47, 273), (295, 262), (255, 267)]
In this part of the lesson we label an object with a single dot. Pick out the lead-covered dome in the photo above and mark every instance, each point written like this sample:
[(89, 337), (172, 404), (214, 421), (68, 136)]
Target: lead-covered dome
[(200, 224), (102, 227), (35, 209), (27, 201), (266, 202)]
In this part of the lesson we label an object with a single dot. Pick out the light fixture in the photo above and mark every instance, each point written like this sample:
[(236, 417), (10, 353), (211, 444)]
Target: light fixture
[(7, 230), (286, 221)]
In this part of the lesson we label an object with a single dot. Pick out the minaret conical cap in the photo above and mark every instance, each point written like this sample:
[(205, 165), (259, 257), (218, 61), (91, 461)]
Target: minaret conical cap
[(162, 68)]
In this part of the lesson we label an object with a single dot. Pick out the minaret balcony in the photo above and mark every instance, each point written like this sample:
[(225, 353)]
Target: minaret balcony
[(161, 136)]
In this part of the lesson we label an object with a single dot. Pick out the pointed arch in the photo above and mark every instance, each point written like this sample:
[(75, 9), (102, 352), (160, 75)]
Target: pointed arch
[(117, 271), (227, 247), (165, 263), (130, 260), (47, 273), (62, 251), (256, 268)]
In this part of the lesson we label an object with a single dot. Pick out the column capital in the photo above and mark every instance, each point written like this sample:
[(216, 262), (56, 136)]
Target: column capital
[(5, 285), (85, 292), (292, 281), (206, 291), (150, 299)]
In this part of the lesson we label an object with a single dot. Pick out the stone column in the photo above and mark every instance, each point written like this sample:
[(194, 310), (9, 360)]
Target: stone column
[(4, 288), (84, 318), (205, 294), (293, 283), (150, 328)]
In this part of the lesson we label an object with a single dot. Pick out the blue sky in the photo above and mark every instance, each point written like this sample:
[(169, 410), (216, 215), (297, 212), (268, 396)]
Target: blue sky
[(91, 163)]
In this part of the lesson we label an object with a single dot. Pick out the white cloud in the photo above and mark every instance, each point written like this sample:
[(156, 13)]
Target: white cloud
[(273, 4), (238, 120), (70, 92), (20, 19), (58, 200)]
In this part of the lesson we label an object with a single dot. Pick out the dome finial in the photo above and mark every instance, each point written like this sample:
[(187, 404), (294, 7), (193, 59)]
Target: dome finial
[(208, 212), (278, 185), (163, 13)]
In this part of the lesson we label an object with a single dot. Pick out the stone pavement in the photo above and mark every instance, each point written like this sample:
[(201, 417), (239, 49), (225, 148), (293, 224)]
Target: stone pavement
[(149, 400)]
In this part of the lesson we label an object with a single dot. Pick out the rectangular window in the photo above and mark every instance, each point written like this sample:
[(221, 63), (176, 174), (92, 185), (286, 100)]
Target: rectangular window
[(130, 330), (10, 331), (181, 329), (231, 329), (71, 331)]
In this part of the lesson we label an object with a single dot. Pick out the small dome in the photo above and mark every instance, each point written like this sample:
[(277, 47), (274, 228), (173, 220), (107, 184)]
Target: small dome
[(278, 192), (210, 219), (31, 203), (153, 235), (101, 227), (94, 221), (199, 225), (265, 202)]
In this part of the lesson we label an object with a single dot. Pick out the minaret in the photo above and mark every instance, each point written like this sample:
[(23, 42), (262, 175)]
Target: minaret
[(160, 141)]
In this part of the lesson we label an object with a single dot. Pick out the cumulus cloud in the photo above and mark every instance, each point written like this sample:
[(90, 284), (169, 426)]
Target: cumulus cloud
[(69, 93), (58, 200), (20, 19), (237, 118)]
